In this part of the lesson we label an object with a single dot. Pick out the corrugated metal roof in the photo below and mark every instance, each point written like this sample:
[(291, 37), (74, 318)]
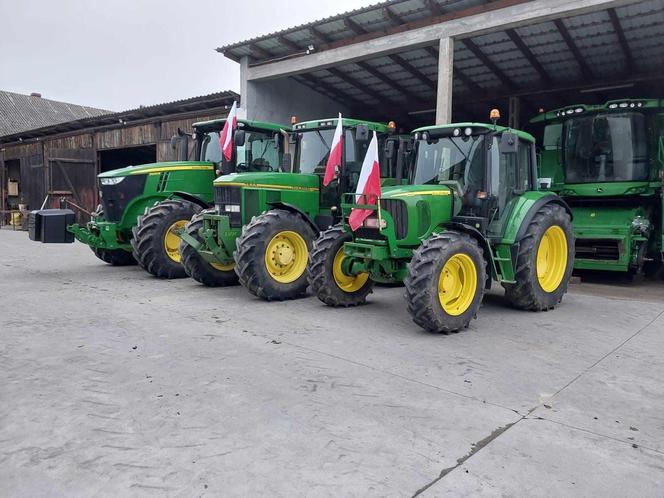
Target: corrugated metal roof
[(19, 112), (375, 18), (202, 102)]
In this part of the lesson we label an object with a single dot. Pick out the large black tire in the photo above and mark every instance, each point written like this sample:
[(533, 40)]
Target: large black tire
[(115, 257), (257, 237), (527, 293), (428, 266), (330, 286), (150, 243), (196, 267)]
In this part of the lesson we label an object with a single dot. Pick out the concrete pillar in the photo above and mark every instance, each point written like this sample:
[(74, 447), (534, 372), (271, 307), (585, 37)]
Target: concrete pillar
[(245, 98), (445, 75), (513, 119)]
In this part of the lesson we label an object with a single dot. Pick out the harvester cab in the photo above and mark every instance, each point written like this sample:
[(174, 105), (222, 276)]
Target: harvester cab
[(470, 214), (264, 224), (607, 161)]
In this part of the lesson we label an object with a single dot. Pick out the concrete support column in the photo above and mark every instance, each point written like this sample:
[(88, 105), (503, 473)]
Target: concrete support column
[(244, 88), (445, 76), (513, 117)]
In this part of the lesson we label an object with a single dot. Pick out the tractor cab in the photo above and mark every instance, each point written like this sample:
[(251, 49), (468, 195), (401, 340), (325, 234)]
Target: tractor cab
[(313, 140), (485, 167)]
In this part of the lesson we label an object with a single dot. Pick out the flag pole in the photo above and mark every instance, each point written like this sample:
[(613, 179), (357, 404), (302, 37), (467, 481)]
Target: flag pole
[(380, 216)]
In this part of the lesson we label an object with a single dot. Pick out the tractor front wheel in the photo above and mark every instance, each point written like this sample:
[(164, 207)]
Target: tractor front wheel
[(272, 255), (326, 276), (114, 257), (445, 282), (209, 274), (544, 261), (156, 243)]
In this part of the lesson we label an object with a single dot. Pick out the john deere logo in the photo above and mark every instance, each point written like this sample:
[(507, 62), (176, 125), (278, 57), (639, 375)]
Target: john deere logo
[(600, 189)]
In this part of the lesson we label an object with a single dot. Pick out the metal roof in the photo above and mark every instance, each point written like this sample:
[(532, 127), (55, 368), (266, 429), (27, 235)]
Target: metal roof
[(200, 103), (546, 63), (19, 112), (374, 19)]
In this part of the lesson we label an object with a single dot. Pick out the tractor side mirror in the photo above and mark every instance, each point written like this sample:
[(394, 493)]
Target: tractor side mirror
[(239, 138), (362, 133), (390, 147), (509, 143)]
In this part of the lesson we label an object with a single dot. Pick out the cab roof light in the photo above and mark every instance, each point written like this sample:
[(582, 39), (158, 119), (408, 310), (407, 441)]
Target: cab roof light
[(293, 120), (392, 125)]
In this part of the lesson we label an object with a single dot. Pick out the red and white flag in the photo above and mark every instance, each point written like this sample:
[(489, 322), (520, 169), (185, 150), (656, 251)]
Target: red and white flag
[(334, 159), (226, 136), (368, 185)]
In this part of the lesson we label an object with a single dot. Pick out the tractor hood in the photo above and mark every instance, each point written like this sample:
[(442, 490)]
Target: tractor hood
[(270, 180), (146, 169)]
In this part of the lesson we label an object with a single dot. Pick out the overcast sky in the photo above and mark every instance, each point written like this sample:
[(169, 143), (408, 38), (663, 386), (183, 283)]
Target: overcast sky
[(119, 54)]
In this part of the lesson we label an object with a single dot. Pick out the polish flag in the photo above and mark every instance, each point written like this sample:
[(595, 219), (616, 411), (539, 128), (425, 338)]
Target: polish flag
[(334, 159), (369, 185), (226, 136)]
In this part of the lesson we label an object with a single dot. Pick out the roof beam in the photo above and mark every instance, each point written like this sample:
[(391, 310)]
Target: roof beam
[(358, 85), (528, 54), (392, 17), (353, 26), (318, 36), (291, 45), (317, 84), (620, 33), (477, 52), (413, 71), (466, 80), (433, 7), (562, 29), (261, 52), (498, 15)]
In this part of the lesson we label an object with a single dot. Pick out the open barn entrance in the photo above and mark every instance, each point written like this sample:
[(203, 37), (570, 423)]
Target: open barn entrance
[(128, 156)]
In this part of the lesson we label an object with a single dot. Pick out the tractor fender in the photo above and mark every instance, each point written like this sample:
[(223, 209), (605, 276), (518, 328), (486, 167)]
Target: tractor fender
[(294, 209), (192, 198), (543, 201), (481, 240)]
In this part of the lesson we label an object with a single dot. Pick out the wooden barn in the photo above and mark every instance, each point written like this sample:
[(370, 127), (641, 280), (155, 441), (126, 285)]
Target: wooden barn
[(63, 160)]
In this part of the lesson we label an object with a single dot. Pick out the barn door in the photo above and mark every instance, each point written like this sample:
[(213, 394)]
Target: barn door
[(73, 175), (32, 183)]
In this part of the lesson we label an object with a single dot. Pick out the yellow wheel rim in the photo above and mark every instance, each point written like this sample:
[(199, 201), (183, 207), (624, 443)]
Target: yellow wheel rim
[(552, 258), (286, 257), (457, 284), (347, 283), (222, 267), (172, 241)]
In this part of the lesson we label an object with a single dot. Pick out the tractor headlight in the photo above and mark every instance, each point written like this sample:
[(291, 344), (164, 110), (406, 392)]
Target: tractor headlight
[(375, 223), (232, 208), (468, 132), (113, 180)]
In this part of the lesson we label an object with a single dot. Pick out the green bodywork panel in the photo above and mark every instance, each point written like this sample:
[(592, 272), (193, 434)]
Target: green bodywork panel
[(604, 210)]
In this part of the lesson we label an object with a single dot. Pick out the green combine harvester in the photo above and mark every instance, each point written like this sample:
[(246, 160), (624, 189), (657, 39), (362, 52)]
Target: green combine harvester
[(142, 207), (470, 214), (607, 162), (264, 224)]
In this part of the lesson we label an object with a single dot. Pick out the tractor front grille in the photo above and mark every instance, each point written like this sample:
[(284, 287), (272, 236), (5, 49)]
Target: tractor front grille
[(368, 233), (116, 198), (598, 249), (399, 212), (229, 197)]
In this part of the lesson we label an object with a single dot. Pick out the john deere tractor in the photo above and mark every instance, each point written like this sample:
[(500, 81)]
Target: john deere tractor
[(607, 162), (471, 214), (148, 202), (264, 224)]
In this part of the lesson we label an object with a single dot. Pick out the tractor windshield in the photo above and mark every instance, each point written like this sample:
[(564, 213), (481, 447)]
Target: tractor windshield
[(313, 149), (210, 149), (605, 148), (459, 159)]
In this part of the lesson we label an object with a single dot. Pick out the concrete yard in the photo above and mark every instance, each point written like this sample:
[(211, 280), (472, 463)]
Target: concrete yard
[(115, 383)]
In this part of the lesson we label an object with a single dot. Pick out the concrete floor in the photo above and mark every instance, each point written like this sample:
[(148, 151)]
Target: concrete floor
[(115, 383)]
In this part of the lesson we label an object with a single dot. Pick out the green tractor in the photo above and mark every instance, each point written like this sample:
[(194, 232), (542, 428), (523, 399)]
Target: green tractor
[(470, 214), (264, 224), (607, 162), (147, 202)]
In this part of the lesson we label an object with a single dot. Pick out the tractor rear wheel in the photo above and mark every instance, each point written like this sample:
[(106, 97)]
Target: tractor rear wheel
[(272, 255), (445, 282), (209, 274), (544, 261), (156, 245), (326, 277), (115, 257)]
